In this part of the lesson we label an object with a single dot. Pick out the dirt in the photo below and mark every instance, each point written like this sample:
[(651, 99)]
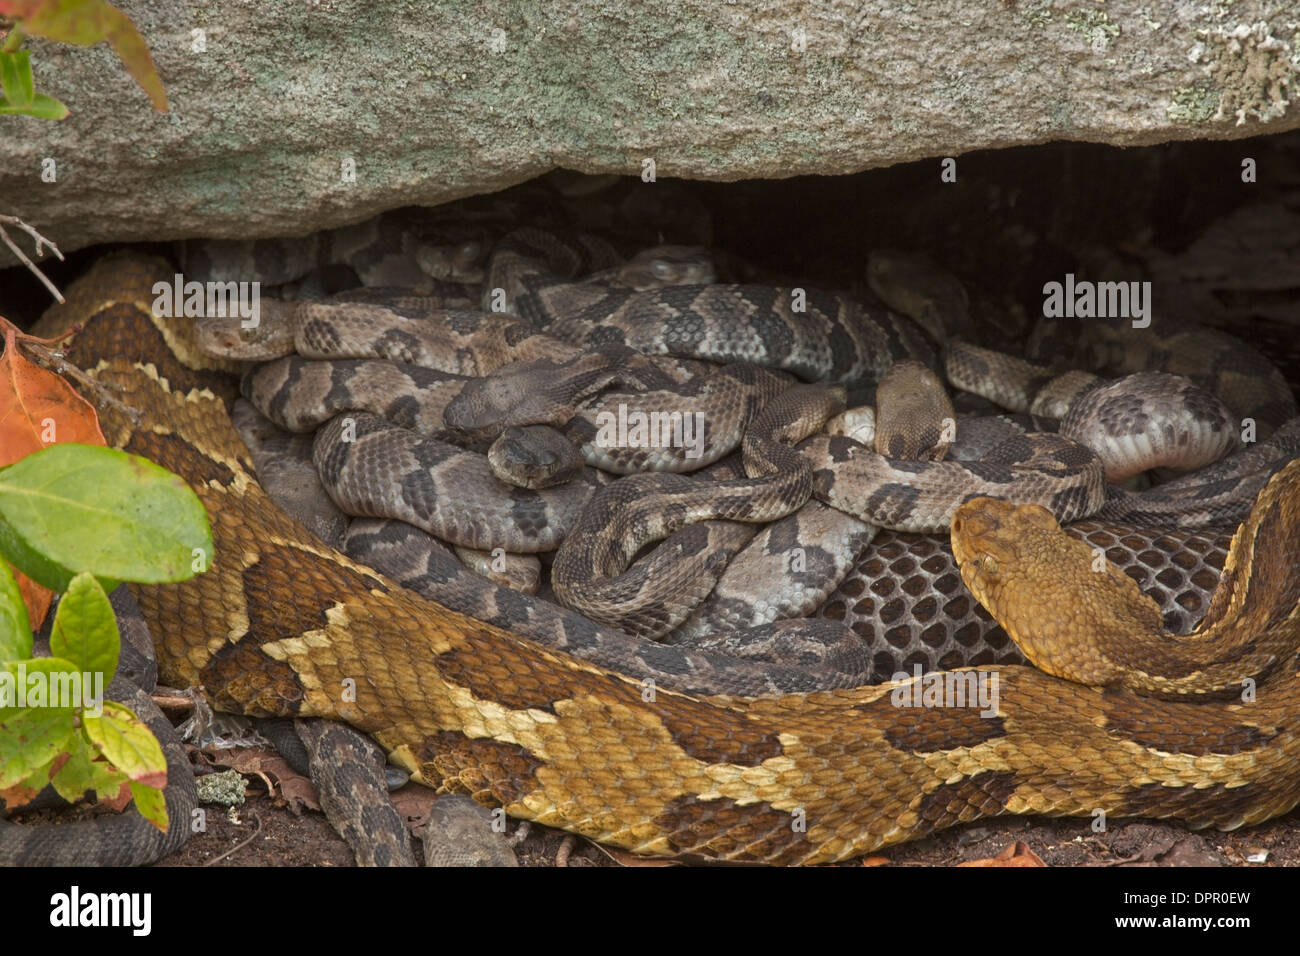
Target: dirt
[(266, 832)]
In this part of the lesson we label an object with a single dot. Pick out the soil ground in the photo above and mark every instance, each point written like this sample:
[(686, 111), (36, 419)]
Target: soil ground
[(281, 837)]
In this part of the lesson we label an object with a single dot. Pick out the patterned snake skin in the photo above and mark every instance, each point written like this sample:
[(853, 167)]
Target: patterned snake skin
[(280, 620), (872, 488), (905, 596)]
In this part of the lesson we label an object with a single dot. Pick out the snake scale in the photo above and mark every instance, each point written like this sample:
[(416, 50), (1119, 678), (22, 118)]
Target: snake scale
[(281, 624)]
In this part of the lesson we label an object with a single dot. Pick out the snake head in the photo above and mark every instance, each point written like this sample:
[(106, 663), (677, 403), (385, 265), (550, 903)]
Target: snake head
[(662, 266), (516, 394), (456, 262), (534, 457), (229, 337), (992, 537), (1068, 609), (1011, 558), (483, 405)]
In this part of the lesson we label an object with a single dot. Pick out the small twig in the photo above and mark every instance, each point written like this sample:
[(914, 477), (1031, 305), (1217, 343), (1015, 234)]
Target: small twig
[(566, 847), (241, 844), (173, 703), (39, 241), (520, 834), (54, 360)]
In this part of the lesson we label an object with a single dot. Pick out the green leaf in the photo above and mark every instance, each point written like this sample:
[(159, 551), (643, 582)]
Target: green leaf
[(16, 77), (15, 628), (85, 628), (86, 22), (58, 684), (70, 508), (80, 775), (152, 804), (30, 738), (46, 107), (41, 107), (128, 744), (10, 8)]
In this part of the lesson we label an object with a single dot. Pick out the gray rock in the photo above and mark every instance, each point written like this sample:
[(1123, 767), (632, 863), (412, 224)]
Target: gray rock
[(431, 102)]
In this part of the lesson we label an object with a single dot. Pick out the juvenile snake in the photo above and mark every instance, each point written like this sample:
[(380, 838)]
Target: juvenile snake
[(527, 386)]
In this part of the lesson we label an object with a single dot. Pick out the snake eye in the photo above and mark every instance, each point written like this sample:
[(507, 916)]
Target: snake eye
[(661, 269), (988, 564)]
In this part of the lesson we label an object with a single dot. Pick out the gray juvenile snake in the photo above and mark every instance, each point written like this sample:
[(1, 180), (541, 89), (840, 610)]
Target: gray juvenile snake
[(689, 322)]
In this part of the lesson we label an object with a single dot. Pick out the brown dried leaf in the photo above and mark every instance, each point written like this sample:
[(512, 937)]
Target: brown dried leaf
[(414, 802), (624, 858), (297, 791)]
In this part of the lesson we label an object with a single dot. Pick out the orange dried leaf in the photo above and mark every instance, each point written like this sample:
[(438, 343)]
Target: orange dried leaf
[(1017, 854), (293, 788), (18, 795), (37, 598), (37, 408)]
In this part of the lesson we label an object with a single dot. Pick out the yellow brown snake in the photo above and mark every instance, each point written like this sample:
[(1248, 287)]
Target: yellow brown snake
[(282, 626)]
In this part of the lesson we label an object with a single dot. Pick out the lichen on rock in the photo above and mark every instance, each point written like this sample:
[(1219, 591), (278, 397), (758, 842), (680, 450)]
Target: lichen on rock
[(1257, 72)]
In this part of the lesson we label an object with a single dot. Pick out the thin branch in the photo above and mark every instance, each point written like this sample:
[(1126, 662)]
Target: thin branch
[(54, 360), (241, 844), (39, 348), (40, 243), (173, 702)]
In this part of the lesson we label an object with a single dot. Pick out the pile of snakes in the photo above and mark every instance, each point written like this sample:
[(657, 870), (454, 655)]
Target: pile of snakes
[(682, 531), (483, 429)]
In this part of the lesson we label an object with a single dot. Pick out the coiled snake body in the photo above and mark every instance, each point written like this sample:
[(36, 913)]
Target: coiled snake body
[(281, 625)]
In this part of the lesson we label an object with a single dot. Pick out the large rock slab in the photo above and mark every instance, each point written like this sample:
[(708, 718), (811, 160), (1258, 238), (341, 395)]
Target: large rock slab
[(288, 116)]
